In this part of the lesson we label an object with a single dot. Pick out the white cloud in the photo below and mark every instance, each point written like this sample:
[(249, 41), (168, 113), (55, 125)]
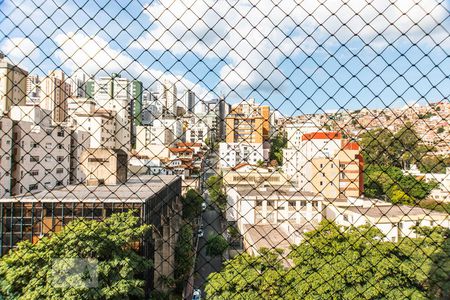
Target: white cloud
[(20, 50), (254, 40), (94, 55)]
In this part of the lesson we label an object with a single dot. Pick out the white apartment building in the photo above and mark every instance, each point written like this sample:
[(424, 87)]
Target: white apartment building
[(33, 89), (41, 152), (99, 123), (197, 131), (169, 98), (77, 84), (233, 154), (113, 94), (149, 136), (6, 151), (394, 221), (151, 108)]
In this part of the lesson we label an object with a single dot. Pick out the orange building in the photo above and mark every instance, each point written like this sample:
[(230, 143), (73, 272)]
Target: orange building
[(248, 122)]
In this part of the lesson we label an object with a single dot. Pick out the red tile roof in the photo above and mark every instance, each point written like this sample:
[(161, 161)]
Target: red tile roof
[(331, 135)]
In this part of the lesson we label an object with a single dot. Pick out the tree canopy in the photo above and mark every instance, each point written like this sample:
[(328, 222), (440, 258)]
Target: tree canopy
[(26, 272), (334, 262), (385, 155)]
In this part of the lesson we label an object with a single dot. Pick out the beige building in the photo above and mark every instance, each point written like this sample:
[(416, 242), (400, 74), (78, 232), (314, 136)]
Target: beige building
[(324, 163), (54, 93), (6, 155), (13, 85), (97, 165), (246, 175)]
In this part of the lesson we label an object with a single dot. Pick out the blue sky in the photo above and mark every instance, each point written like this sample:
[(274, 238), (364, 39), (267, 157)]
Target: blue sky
[(300, 58)]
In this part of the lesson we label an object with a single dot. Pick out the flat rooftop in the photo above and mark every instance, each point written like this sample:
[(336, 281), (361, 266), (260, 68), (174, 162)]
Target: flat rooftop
[(274, 192), (392, 211), (136, 190)]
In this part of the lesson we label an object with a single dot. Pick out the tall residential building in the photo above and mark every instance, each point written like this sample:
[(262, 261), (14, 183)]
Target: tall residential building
[(113, 94), (33, 89), (189, 101), (6, 155), (135, 108), (77, 84), (151, 108), (326, 164), (90, 88), (13, 85), (41, 152), (248, 122), (55, 91), (168, 96)]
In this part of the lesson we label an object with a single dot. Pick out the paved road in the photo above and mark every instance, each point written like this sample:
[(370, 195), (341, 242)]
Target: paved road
[(211, 221), (206, 264)]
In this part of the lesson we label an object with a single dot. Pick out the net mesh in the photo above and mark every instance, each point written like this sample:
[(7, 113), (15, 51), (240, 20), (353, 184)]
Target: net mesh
[(224, 149)]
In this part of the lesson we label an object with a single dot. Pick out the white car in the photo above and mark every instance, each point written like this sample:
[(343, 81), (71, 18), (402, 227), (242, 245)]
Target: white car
[(204, 205), (200, 233)]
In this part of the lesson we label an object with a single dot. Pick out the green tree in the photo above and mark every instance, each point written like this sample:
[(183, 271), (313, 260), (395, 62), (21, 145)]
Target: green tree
[(26, 272), (192, 205), (335, 262), (434, 164), (184, 256), (248, 277), (216, 191), (216, 245), (277, 145)]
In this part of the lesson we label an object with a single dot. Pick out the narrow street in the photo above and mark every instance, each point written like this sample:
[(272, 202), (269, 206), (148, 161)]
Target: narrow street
[(211, 220)]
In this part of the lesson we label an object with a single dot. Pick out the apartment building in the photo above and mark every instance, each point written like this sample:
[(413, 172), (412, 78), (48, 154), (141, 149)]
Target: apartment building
[(169, 98), (113, 94), (41, 153), (33, 89), (13, 85), (247, 175), (233, 154), (394, 221), (197, 131), (55, 91), (273, 217), (326, 164), (189, 101), (151, 108), (248, 122), (99, 123), (6, 155)]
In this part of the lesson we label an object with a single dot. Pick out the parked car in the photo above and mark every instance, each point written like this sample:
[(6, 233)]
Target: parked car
[(200, 233), (204, 205), (197, 295)]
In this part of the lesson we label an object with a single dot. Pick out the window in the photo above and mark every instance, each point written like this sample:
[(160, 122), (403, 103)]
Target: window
[(59, 170), (34, 158), (33, 187), (34, 172), (60, 158)]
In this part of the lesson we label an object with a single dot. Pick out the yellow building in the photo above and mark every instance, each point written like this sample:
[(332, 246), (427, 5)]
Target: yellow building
[(13, 85), (248, 122)]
